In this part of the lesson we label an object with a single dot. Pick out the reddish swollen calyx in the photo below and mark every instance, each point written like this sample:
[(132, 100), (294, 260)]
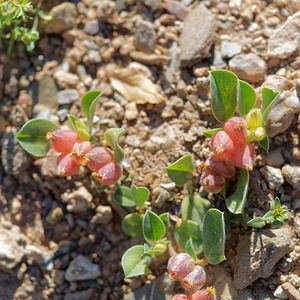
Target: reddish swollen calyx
[(76, 153)]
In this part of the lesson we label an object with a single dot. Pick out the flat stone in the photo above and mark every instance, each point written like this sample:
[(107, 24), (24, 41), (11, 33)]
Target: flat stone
[(230, 49), (292, 175), (159, 289), (47, 93), (82, 269), (275, 158), (12, 246), (279, 293), (273, 176), (286, 39), (67, 96), (258, 253), (150, 59), (222, 282), (63, 18), (82, 295), (290, 290), (13, 157), (180, 10), (145, 36), (249, 67), (197, 35)]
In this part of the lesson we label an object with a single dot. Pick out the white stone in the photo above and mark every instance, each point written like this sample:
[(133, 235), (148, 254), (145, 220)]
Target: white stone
[(279, 293)]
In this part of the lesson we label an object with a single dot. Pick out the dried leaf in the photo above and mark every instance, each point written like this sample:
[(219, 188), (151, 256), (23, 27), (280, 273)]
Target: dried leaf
[(135, 86)]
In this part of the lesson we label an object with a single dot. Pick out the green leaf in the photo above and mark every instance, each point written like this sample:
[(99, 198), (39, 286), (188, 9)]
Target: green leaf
[(153, 227), (185, 230), (236, 202), (247, 98), (166, 219), (256, 222), (194, 207), (181, 171), (277, 203), (80, 128), (132, 224), (112, 136), (264, 143), (155, 249), (209, 133), (32, 136), (269, 216), (214, 236), (189, 248), (139, 195), (223, 86), (135, 262), (276, 224), (123, 197), (268, 99), (88, 106), (44, 16)]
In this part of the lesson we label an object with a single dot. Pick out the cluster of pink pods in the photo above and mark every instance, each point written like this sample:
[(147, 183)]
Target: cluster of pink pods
[(192, 278), (231, 149), (75, 153)]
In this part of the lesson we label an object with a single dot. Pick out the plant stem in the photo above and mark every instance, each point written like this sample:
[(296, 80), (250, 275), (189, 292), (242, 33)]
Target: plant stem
[(36, 17), (11, 41), (189, 187)]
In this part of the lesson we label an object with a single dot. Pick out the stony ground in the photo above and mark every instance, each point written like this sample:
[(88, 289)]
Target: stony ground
[(151, 58)]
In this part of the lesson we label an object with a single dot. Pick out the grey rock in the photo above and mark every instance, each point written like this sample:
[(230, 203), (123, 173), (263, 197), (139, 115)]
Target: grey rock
[(222, 282), (279, 293), (218, 60), (67, 96), (47, 93), (105, 10), (282, 113), (258, 253), (286, 39), (275, 158), (63, 18), (12, 246), (145, 36), (18, 116), (62, 114), (14, 159), (292, 175), (230, 49), (249, 67), (180, 10), (82, 295), (159, 289), (273, 176), (173, 66), (197, 35), (42, 112), (91, 27), (104, 215), (153, 4), (82, 269)]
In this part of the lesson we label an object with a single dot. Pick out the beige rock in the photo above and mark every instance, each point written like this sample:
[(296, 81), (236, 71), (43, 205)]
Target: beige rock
[(249, 67), (292, 175)]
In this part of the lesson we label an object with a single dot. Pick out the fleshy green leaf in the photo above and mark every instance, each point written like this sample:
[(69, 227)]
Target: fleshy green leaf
[(256, 222), (276, 224), (80, 128), (236, 202), (188, 229), (189, 248), (44, 16), (166, 219), (32, 136), (181, 171), (264, 143), (132, 224), (209, 133), (268, 99), (247, 98), (194, 207), (135, 262), (88, 106), (214, 236), (155, 249), (153, 227), (223, 85), (123, 197), (140, 195), (112, 136)]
